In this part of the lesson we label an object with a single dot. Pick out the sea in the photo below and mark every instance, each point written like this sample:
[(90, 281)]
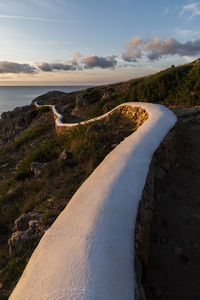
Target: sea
[(15, 96)]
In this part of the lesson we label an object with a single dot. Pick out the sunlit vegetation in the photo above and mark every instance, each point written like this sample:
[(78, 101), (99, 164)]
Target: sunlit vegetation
[(23, 192)]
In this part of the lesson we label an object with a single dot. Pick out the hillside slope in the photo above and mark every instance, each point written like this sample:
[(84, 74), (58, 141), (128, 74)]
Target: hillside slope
[(40, 171), (28, 135), (175, 86)]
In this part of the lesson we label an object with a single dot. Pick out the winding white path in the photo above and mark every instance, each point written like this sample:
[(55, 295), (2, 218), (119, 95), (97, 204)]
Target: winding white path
[(87, 254)]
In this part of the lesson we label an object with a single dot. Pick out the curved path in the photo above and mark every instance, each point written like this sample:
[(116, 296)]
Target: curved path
[(88, 252)]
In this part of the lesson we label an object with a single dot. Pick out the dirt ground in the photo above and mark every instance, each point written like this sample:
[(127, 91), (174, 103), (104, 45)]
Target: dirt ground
[(173, 271)]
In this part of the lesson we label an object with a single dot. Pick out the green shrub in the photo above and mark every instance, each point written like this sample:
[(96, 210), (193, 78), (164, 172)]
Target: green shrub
[(31, 134), (49, 217), (14, 269), (38, 111), (71, 105), (91, 95), (94, 111), (10, 197)]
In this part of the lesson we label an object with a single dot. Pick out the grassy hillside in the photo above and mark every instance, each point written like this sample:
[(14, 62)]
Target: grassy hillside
[(28, 135), (66, 160), (175, 86)]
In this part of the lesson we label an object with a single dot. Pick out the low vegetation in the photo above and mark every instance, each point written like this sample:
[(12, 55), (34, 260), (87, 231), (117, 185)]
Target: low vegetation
[(21, 191), (34, 132), (29, 136)]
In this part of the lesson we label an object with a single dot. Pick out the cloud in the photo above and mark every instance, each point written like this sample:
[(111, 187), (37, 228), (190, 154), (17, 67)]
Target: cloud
[(46, 67), (73, 61), (133, 51), (134, 42), (78, 63), (165, 11), (75, 58), (76, 54), (132, 55), (36, 19), (12, 67), (192, 10), (187, 33), (95, 61), (112, 56), (156, 48)]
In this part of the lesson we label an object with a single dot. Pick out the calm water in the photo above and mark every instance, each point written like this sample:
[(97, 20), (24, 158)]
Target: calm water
[(13, 96)]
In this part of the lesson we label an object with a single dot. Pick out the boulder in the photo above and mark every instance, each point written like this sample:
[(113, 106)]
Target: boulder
[(27, 229), (22, 223)]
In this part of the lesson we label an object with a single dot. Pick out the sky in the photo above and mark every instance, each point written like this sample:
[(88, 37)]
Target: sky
[(90, 42)]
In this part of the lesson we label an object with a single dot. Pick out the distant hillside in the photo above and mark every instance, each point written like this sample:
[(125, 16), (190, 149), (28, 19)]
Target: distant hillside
[(178, 86)]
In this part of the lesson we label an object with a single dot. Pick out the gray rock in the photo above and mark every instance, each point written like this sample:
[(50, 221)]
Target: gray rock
[(36, 167), (33, 225), (19, 240), (27, 228), (22, 223)]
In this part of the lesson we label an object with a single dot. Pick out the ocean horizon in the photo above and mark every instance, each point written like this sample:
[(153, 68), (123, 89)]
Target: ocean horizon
[(16, 96)]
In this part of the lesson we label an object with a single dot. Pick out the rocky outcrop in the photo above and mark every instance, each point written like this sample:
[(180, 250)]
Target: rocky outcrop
[(27, 229), (13, 122)]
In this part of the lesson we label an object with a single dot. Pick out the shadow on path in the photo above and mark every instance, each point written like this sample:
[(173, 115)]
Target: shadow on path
[(173, 271)]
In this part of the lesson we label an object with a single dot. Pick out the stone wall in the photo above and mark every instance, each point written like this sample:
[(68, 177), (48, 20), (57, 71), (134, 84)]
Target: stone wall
[(162, 159), (137, 114)]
